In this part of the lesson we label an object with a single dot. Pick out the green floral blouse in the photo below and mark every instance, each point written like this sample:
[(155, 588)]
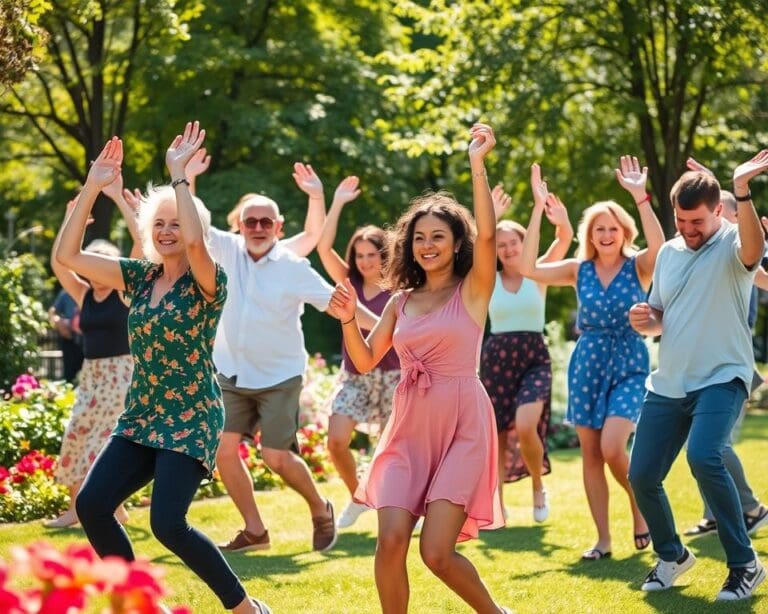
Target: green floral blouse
[(174, 401)]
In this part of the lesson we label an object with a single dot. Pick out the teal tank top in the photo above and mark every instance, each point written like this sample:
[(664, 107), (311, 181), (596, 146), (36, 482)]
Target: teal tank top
[(521, 311)]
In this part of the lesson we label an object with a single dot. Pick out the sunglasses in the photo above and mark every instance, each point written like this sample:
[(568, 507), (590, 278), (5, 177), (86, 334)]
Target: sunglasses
[(252, 222)]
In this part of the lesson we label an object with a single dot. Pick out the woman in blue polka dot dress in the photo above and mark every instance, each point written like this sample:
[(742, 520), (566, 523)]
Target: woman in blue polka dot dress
[(607, 371)]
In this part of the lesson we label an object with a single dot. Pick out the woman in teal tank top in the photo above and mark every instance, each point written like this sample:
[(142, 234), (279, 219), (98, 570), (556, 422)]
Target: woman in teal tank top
[(609, 364), (515, 366)]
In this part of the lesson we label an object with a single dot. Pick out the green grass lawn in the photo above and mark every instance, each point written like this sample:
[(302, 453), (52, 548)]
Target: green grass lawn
[(528, 567)]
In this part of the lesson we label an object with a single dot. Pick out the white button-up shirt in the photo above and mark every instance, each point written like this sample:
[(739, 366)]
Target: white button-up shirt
[(260, 339)]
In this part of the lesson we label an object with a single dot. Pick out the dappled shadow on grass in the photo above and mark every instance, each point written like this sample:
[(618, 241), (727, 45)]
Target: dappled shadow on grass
[(263, 564), (515, 539), (709, 547)]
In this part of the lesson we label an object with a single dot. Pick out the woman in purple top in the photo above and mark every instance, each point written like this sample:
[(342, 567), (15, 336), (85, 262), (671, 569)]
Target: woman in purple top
[(359, 398)]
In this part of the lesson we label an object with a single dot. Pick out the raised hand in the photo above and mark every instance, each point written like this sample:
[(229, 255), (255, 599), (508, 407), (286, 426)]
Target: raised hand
[(555, 211), (483, 141), (347, 190), (114, 190), (632, 177), (693, 165), (538, 187), (344, 301), (183, 148), (106, 168), (132, 199), (71, 205), (501, 200), (307, 180), (746, 171), (198, 164)]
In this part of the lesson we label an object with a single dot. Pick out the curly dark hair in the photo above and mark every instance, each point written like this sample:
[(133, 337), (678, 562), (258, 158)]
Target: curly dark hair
[(402, 270), (374, 235)]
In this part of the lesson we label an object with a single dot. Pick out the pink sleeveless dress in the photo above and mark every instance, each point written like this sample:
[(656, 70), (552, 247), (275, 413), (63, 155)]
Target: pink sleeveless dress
[(440, 441)]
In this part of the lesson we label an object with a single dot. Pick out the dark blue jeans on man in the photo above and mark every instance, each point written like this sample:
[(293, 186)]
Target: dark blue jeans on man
[(705, 417)]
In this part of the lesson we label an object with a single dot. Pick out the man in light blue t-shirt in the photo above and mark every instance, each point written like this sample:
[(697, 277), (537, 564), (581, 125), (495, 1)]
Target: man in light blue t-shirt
[(698, 304)]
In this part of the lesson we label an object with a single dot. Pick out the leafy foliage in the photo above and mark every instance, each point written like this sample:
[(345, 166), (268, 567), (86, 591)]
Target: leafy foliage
[(22, 318)]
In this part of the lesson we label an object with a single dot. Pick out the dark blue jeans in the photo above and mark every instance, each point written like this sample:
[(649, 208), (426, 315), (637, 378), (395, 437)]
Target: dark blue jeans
[(122, 468), (706, 417)]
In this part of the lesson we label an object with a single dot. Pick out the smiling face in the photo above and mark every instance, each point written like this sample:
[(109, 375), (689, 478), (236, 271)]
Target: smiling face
[(607, 235), (509, 248), (368, 260), (166, 231), (697, 225), (260, 224), (433, 243)]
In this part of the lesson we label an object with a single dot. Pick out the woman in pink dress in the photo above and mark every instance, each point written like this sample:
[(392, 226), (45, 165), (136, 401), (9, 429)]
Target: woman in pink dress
[(437, 455)]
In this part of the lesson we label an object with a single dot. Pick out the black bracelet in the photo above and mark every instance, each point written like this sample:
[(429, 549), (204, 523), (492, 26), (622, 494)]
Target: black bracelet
[(744, 199), (352, 319), (176, 182)]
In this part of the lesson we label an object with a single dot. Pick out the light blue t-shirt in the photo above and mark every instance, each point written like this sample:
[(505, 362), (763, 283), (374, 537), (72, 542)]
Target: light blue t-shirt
[(704, 295), (512, 312)]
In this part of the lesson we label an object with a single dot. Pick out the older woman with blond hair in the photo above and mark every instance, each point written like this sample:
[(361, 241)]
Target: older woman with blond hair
[(174, 414), (607, 371)]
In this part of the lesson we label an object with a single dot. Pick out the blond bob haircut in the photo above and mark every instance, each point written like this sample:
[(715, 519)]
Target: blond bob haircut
[(156, 196), (586, 249)]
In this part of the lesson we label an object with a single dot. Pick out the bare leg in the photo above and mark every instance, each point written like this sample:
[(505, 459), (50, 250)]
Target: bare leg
[(238, 482), (595, 484), (438, 550), (613, 446), (339, 435), (526, 423), (395, 528), (295, 473)]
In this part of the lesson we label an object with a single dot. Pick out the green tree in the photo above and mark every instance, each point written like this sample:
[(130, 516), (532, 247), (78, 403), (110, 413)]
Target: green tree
[(19, 36), (575, 83), (80, 92)]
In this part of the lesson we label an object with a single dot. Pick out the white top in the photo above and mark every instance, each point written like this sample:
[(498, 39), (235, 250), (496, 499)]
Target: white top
[(704, 295), (521, 311), (259, 338)]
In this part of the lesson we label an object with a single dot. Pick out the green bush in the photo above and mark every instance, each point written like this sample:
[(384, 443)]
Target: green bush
[(34, 421), (22, 317)]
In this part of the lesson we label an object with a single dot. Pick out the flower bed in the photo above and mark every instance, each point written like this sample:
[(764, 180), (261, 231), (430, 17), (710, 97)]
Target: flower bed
[(69, 581)]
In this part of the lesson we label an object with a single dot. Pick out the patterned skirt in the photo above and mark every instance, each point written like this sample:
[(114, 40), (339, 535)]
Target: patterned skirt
[(99, 400), (516, 369)]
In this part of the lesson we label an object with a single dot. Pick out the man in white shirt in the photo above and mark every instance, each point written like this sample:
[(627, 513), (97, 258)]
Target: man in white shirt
[(259, 353)]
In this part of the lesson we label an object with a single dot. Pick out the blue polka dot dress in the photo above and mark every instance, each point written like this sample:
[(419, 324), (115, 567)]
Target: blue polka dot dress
[(609, 365)]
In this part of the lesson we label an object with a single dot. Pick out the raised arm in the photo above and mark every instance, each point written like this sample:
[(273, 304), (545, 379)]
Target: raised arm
[(750, 231), (557, 214), (69, 252), (178, 155), (335, 265), (75, 286), (482, 276), (365, 353), (557, 273), (633, 178), (196, 166), (501, 201), (303, 243), (127, 203)]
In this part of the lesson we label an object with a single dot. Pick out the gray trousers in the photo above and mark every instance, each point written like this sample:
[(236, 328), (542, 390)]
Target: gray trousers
[(733, 465)]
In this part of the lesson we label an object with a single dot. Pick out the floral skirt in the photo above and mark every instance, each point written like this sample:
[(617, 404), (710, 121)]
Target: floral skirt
[(516, 369), (99, 400)]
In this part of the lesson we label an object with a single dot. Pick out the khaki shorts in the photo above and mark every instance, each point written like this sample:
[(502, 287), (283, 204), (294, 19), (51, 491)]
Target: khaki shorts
[(273, 410)]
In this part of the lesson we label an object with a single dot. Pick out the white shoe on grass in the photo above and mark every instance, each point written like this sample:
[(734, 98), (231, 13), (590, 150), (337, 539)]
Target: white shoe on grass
[(350, 514)]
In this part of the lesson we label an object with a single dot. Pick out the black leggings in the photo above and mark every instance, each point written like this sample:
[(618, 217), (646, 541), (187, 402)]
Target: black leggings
[(122, 468)]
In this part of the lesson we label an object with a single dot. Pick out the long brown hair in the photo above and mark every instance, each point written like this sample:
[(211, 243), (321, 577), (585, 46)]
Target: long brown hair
[(402, 270), (374, 235)]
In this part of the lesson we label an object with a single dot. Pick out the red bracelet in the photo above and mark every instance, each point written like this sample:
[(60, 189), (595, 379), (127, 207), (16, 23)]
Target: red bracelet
[(647, 199)]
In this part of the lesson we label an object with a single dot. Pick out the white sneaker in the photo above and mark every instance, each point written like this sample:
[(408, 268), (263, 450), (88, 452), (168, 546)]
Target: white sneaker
[(540, 514), (742, 582), (665, 573), (350, 514)]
